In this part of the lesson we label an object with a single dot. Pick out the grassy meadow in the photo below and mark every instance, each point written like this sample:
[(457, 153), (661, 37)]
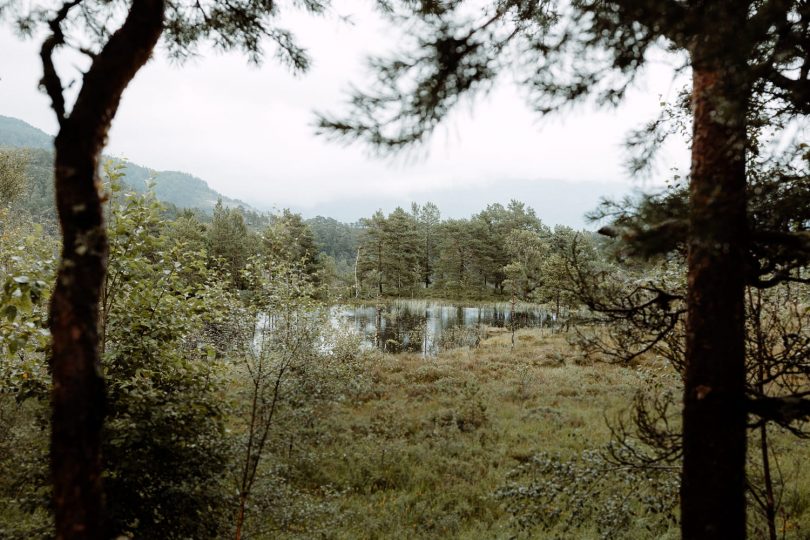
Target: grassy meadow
[(424, 447)]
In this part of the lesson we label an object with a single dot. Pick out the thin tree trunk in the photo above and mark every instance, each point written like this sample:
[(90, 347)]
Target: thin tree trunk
[(78, 386), (714, 417), (379, 269), (770, 499), (243, 487), (512, 316), (356, 275), (556, 314), (769, 504), (427, 260)]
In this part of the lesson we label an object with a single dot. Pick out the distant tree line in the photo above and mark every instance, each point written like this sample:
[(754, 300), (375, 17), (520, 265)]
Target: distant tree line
[(501, 251)]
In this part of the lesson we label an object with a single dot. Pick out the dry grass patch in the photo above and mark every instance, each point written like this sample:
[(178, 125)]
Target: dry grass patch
[(423, 452)]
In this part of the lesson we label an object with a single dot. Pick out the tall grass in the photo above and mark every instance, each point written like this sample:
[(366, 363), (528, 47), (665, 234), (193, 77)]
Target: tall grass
[(422, 446)]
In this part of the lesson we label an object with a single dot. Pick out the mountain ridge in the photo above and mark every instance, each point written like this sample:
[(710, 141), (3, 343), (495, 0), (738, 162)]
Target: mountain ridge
[(179, 188)]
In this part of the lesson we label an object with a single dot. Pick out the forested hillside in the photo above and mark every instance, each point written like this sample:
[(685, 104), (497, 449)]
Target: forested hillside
[(15, 133), (172, 187), (496, 253)]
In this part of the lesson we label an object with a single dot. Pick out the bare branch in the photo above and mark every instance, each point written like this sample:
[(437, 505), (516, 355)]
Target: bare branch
[(51, 82), (782, 410)]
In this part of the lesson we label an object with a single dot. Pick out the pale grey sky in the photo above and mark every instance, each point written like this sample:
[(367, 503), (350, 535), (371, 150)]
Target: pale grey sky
[(248, 131)]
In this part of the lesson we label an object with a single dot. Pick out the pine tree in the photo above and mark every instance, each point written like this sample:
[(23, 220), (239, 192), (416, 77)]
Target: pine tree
[(428, 218), (401, 251), (455, 260), (745, 56), (372, 249), (228, 241), (290, 239), (493, 227)]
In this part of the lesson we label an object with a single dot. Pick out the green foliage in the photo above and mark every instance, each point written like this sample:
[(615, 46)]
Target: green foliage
[(491, 229), (24, 476), (428, 218), (290, 239), (335, 239), (27, 262), (164, 324), (401, 268), (229, 243), (12, 177), (165, 448), (283, 375), (560, 495), (454, 267), (189, 230), (389, 254), (417, 254), (528, 252), (370, 255)]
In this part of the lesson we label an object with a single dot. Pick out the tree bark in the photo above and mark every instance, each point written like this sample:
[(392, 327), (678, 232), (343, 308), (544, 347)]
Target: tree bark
[(427, 260), (767, 479), (714, 417), (78, 386), (356, 275), (379, 268)]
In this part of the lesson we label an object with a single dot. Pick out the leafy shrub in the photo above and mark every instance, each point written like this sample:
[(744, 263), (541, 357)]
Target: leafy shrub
[(564, 496)]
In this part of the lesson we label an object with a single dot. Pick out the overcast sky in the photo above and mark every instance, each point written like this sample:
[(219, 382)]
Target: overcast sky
[(248, 131)]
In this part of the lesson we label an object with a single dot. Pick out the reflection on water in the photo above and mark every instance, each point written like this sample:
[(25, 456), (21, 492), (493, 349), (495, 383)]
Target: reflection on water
[(419, 326)]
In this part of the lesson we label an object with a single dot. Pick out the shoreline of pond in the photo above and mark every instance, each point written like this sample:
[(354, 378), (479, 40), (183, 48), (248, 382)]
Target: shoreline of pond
[(428, 326), (466, 303)]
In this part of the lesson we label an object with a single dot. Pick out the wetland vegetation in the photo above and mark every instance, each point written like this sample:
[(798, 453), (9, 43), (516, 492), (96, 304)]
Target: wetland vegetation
[(539, 415), (205, 370)]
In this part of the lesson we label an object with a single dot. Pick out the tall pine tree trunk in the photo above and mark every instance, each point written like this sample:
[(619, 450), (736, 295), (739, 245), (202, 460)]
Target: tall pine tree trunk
[(714, 418), (78, 387)]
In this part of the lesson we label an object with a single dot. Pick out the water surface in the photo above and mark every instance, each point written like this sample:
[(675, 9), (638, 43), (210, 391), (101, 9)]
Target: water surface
[(429, 327)]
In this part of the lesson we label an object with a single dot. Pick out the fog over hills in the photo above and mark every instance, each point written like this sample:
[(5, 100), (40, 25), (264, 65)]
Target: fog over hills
[(555, 201)]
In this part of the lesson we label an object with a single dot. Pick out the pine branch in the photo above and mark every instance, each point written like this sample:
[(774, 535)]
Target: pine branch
[(50, 81)]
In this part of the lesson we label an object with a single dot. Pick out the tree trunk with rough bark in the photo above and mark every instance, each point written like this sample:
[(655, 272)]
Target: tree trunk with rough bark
[(78, 386), (714, 418)]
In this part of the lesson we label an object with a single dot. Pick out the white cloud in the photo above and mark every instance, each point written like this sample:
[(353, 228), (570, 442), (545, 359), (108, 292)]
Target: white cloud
[(248, 131)]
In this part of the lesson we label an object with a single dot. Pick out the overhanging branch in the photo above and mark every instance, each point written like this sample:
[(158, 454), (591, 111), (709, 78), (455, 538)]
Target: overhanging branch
[(50, 81), (782, 410)]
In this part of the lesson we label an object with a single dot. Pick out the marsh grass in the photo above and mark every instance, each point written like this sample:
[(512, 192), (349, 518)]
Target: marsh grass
[(466, 444), (422, 449)]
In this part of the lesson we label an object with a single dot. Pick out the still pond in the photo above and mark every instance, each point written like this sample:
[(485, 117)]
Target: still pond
[(427, 327)]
